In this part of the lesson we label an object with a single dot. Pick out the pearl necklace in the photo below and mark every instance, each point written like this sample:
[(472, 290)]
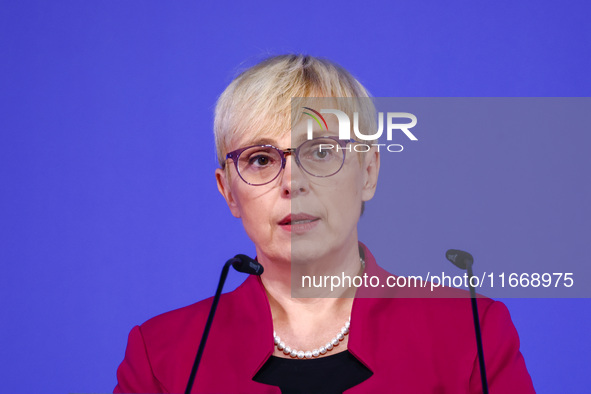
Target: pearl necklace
[(293, 353)]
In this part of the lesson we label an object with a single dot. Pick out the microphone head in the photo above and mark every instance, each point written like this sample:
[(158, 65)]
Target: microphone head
[(460, 258), (243, 263)]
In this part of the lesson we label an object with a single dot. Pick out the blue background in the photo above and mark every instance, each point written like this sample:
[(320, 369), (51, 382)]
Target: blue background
[(109, 211)]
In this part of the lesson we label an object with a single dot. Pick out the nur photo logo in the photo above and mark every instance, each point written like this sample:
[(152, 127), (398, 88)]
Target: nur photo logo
[(393, 125)]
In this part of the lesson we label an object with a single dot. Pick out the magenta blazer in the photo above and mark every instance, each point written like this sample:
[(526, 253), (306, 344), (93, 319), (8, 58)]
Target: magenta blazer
[(412, 345)]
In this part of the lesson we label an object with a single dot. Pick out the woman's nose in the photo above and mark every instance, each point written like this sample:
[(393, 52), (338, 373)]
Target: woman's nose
[(294, 181)]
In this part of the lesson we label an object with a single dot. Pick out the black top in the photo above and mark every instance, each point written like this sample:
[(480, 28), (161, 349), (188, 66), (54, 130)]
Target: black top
[(331, 374)]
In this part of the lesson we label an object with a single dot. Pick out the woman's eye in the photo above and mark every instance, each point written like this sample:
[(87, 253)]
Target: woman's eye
[(320, 154), (259, 160)]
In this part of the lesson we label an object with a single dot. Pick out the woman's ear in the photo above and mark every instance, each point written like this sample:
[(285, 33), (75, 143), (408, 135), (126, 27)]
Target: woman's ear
[(223, 181), (371, 169)]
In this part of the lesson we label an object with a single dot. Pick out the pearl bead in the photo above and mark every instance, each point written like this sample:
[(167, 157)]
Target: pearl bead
[(308, 354), (287, 350), (322, 350), (280, 345), (301, 354), (335, 342), (315, 352), (347, 325), (294, 353), (340, 336), (328, 346), (344, 330), (277, 340)]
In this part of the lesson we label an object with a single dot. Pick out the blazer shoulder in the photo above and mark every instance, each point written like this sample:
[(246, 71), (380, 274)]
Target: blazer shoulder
[(192, 315)]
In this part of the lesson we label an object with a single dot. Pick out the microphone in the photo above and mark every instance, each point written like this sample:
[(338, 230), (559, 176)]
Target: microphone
[(464, 260), (241, 263), (460, 258)]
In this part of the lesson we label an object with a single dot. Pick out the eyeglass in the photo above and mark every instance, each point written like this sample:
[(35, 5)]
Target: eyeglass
[(260, 164)]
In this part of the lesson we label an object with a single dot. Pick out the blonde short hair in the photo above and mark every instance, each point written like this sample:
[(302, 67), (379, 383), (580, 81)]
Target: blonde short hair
[(258, 102)]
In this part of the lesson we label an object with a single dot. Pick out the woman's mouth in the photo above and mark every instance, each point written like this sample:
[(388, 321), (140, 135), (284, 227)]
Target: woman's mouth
[(299, 223)]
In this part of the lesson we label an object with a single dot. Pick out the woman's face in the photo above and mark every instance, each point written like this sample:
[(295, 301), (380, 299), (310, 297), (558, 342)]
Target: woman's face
[(299, 218)]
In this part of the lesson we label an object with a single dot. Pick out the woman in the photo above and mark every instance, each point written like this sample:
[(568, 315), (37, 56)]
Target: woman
[(300, 202)]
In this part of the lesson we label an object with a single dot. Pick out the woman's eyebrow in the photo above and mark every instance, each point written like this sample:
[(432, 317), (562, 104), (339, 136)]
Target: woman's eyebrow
[(324, 133)]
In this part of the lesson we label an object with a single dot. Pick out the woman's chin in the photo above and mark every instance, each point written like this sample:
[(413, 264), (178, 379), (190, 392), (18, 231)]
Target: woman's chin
[(304, 252)]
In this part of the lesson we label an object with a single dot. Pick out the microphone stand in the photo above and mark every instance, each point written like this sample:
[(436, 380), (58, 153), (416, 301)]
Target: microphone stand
[(464, 260), (477, 329), (214, 305)]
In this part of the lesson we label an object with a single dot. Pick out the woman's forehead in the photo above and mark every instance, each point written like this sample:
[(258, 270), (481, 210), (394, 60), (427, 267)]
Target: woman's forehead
[(290, 138)]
